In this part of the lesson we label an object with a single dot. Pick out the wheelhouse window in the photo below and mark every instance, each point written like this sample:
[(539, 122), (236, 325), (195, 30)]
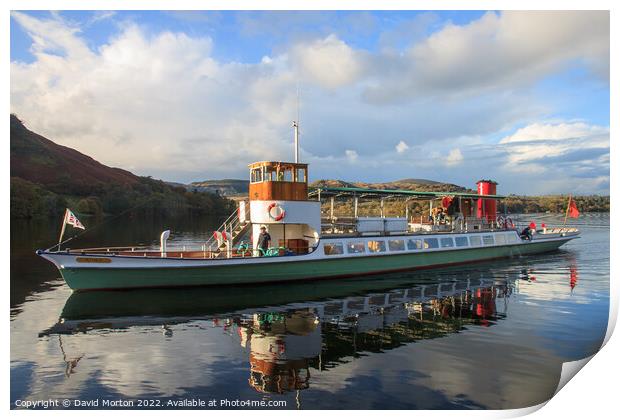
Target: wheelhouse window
[(334, 248), (475, 241), (461, 241), (413, 244), (256, 175), (488, 240), (396, 245), (431, 243), (376, 246), (356, 247), (447, 243), (300, 176)]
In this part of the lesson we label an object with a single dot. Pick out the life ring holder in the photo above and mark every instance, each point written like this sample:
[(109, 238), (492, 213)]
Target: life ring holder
[(279, 216)]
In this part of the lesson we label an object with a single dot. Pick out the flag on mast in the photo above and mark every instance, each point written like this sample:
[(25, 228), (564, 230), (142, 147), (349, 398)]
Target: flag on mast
[(572, 209), (70, 219)]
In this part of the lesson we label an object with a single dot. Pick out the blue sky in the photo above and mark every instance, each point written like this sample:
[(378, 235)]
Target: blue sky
[(522, 97)]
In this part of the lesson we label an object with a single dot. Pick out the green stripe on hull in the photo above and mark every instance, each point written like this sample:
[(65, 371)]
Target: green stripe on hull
[(120, 278)]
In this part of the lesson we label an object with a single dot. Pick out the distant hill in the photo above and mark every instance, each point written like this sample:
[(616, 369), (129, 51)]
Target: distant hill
[(239, 187), (410, 184), (47, 177), (226, 187)]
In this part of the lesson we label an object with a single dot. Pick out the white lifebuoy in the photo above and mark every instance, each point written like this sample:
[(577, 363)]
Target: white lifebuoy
[(501, 222), (278, 215)]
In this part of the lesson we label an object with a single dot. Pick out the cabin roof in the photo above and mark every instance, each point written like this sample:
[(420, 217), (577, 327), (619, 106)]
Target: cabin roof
[(352, 191), (271, 163)]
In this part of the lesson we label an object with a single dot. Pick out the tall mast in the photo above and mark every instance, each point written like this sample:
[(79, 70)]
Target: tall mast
[(296, 129)]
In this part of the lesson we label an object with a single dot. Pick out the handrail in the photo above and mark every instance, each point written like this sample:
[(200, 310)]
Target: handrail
[(230, 225), (190, 253)]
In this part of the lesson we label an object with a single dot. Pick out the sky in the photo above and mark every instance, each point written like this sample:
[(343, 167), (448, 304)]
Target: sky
[(521, 97)]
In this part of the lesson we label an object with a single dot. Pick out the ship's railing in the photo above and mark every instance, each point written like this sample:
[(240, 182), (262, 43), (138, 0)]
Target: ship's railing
[(559, 229), (231, 226), (348, 226), (193, 253)]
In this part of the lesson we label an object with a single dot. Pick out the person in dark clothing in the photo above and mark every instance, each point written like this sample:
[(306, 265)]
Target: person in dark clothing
[(264, 240), (526, 233)]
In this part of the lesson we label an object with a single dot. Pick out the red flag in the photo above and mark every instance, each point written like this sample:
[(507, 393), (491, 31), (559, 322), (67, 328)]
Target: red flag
[(572, 209)]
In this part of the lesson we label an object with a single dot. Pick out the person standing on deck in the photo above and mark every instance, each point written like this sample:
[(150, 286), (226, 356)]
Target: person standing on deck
[(264, 240)]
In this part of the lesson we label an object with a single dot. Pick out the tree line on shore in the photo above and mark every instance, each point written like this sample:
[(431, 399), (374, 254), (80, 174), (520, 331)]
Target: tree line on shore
[(148, 197), (514, 205)]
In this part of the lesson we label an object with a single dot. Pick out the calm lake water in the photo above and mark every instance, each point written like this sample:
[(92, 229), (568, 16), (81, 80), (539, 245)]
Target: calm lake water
[(490, 335)]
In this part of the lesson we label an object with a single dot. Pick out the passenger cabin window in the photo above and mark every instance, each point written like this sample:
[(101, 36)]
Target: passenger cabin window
[(376, 246), (475, 240), (500, 239), (447, 243), (414, 244), (396, 245), (487, 240), (356, 248), (461, 241), (335, 248), (431, 243)]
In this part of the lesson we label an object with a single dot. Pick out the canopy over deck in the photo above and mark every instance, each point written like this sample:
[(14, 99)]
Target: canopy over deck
[(370, 192)]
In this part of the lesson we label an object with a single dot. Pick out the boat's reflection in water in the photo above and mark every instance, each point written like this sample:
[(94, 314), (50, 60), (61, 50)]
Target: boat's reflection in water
[(291, 330), (283, 346)]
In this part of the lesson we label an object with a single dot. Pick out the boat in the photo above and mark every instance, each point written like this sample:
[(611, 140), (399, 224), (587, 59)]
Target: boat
[(309, 241)]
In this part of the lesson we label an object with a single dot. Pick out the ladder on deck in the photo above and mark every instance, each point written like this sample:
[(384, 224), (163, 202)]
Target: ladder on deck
[(234, 227)]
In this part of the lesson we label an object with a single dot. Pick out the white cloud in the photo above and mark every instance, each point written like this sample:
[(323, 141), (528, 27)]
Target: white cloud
[(532, 147), (401, 147), (455, 157), (52, 36), (499, 50), (351, 155), (330, 62), (565, 156), (155, 104), (561, 131)]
